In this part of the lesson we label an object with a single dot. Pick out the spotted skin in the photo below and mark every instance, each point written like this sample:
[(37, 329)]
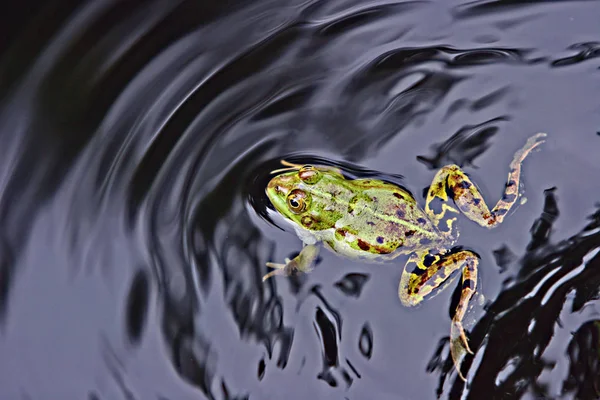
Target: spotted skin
[(451, 183), (376, 221), (430, 270), (426, 272)]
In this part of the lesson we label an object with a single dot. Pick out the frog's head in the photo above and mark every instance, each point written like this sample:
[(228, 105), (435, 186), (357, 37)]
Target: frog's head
[(304, 196)]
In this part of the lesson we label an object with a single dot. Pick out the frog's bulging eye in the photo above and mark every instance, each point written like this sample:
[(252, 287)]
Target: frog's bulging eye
[(297, 201), (309, 174)]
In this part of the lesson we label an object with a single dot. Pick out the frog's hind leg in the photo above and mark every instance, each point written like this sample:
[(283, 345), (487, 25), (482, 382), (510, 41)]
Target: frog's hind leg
[(426, 272), (452, 182)]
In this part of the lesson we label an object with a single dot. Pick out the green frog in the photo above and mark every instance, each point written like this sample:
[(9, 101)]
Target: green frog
[(377, 221)]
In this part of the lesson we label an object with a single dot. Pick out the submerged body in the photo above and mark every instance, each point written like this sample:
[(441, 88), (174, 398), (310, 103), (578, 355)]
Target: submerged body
[(376, 221)]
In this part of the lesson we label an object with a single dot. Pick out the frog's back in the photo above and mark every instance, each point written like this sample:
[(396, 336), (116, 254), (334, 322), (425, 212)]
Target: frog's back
[(383, 221)]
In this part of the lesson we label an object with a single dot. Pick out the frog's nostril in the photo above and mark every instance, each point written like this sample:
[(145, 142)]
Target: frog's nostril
[(276, 188), (273, 184)]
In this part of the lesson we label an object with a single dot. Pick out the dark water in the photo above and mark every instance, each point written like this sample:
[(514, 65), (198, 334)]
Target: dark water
[(136, 141)]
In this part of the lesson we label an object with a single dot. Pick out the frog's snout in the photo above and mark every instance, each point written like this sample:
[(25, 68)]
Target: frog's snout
[(279, 185), (277, 191)]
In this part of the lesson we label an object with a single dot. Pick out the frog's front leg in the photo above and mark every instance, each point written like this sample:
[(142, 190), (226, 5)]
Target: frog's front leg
[(302, 262), (425, 272), (452, 182)]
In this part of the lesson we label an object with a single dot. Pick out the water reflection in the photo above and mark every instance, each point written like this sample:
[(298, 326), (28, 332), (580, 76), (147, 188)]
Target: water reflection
[(137, 139), (555, 281), (584, 367), (464, 146)]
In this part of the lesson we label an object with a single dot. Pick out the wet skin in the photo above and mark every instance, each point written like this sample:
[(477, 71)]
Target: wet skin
[(375, 221)]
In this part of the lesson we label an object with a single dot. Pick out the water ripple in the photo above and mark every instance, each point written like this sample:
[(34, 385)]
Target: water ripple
[(138, 137)]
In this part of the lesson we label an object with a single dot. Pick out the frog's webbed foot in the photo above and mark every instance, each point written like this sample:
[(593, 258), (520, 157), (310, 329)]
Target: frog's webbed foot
[(533, 142), (303, 262), (281, 269), (459, 346)]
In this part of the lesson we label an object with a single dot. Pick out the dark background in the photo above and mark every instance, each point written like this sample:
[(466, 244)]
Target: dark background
[(136, 139)]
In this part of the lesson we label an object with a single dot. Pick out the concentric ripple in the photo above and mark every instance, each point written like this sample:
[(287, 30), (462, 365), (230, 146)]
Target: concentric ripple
[(137, 140)]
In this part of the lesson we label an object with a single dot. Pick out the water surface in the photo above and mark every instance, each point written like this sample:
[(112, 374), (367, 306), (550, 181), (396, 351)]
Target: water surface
[(137, 139)]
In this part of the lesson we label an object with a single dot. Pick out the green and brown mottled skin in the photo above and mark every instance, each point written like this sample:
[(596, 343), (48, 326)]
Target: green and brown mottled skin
[(363, 218), (377, 221)]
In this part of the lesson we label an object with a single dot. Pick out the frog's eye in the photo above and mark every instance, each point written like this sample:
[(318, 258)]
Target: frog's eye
[(309, 174), (297, 201)]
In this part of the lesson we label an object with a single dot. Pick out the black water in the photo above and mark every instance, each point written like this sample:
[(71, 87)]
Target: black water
[(136, 140)]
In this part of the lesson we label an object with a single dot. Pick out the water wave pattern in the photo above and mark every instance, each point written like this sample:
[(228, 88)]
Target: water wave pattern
[(137, 139)]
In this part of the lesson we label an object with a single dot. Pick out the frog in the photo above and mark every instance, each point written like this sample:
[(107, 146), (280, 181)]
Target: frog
[(377, 221)]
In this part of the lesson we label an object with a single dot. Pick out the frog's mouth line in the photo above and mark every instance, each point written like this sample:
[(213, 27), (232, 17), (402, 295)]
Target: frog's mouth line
[(280, 207), (278, 201)]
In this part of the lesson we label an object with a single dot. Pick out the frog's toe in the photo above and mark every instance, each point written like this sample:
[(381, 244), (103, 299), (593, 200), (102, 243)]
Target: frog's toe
[(281, 269), (533, 142), (458, 346), (536, 140), (275, 265), (538, 136), (303, 262), (463, 336), (272, 273)]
